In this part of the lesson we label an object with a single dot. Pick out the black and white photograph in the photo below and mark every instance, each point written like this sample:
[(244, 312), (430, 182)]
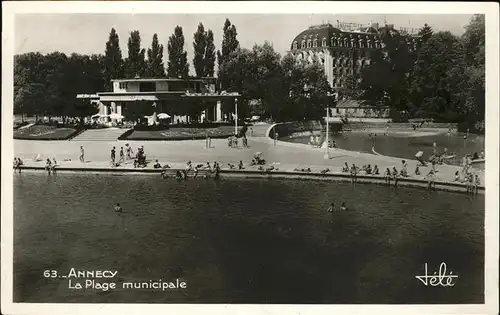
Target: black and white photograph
[(204, 154)]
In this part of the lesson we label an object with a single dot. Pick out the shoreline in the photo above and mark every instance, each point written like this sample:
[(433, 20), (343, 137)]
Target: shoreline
[(278, 174)]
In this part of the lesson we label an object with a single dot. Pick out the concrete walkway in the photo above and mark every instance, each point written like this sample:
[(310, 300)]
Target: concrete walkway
[(285, 156)]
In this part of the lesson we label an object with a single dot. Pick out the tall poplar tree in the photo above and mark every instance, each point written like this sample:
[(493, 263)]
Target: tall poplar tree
[(113, 63), (177, 57), (155, 67), (199, 47), (209, 60), (135, 65), (229, 45)]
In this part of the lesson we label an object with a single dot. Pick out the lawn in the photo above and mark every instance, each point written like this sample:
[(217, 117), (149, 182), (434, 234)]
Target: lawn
[(43, 132), (182, 133)]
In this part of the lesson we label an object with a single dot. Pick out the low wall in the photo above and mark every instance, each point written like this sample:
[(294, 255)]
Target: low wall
[(338, 177), (301, 128), (355, 125)]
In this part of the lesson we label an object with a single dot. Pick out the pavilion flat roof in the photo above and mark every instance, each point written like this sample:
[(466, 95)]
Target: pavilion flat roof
[(158, 80)]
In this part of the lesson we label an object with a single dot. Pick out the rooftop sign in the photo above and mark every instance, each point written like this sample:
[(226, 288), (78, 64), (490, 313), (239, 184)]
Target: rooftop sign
[(348, 26)]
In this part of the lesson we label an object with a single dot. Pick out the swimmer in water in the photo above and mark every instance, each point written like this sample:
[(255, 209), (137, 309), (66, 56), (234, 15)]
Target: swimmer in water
[(343, 207), (118, 208), (331, 208)]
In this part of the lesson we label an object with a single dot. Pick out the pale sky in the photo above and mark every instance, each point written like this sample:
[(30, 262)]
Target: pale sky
[(88, 33)]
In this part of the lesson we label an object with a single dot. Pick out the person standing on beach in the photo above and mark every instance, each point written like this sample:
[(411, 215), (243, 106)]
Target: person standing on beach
[(113, 156), (122, 156), (129, 151), (82, 154)]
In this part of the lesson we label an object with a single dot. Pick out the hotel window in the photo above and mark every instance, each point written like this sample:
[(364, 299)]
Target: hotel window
[(303, 44), (315, 43), (323, 42), (309, 44), (295, 44)]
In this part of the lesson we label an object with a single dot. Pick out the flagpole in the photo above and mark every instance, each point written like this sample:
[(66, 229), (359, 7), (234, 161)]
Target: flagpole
[(236, 116)]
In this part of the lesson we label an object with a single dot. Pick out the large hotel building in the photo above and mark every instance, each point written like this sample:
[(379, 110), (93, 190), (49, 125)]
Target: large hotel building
[(343, 49)]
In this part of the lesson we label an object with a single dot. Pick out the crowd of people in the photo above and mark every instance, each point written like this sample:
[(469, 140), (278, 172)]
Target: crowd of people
[(194, 169), (233, 141)]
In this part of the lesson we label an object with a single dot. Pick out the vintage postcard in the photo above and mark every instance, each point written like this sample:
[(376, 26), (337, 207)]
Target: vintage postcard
[(250, 157)]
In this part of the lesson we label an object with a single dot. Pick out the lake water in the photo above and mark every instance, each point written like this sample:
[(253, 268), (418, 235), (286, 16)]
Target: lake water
[(406, 147), (244, 241)]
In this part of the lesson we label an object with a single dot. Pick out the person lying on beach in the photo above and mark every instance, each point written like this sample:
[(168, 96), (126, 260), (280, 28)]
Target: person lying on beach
[(261, 168), (231, 166), (306, 170), (67, 160), (165, 166), (199, 165), (37, 158), (376, 170), (157, 164), (326, 170)]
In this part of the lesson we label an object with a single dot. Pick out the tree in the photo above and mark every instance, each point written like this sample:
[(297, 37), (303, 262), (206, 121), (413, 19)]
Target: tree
[(385, 80), (425, 33), (155, 67), (135, 64), (28, 98), (199, 45), (436, 89), (352, 88), (113, 63), (307, 88), (229, 45), (177, 57), (209, 59), (473, 87), (474, 41)]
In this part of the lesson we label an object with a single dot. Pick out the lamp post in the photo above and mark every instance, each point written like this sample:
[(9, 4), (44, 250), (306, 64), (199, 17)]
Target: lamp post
[(327, 152), (236, 116)]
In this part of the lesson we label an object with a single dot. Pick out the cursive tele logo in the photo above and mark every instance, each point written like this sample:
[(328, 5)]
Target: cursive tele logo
[(439, 278)]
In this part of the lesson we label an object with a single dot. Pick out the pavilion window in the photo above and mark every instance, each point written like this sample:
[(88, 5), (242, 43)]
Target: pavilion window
[(315, 43), (323, 42), (309, 44), (303, 44), (295, 45)]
